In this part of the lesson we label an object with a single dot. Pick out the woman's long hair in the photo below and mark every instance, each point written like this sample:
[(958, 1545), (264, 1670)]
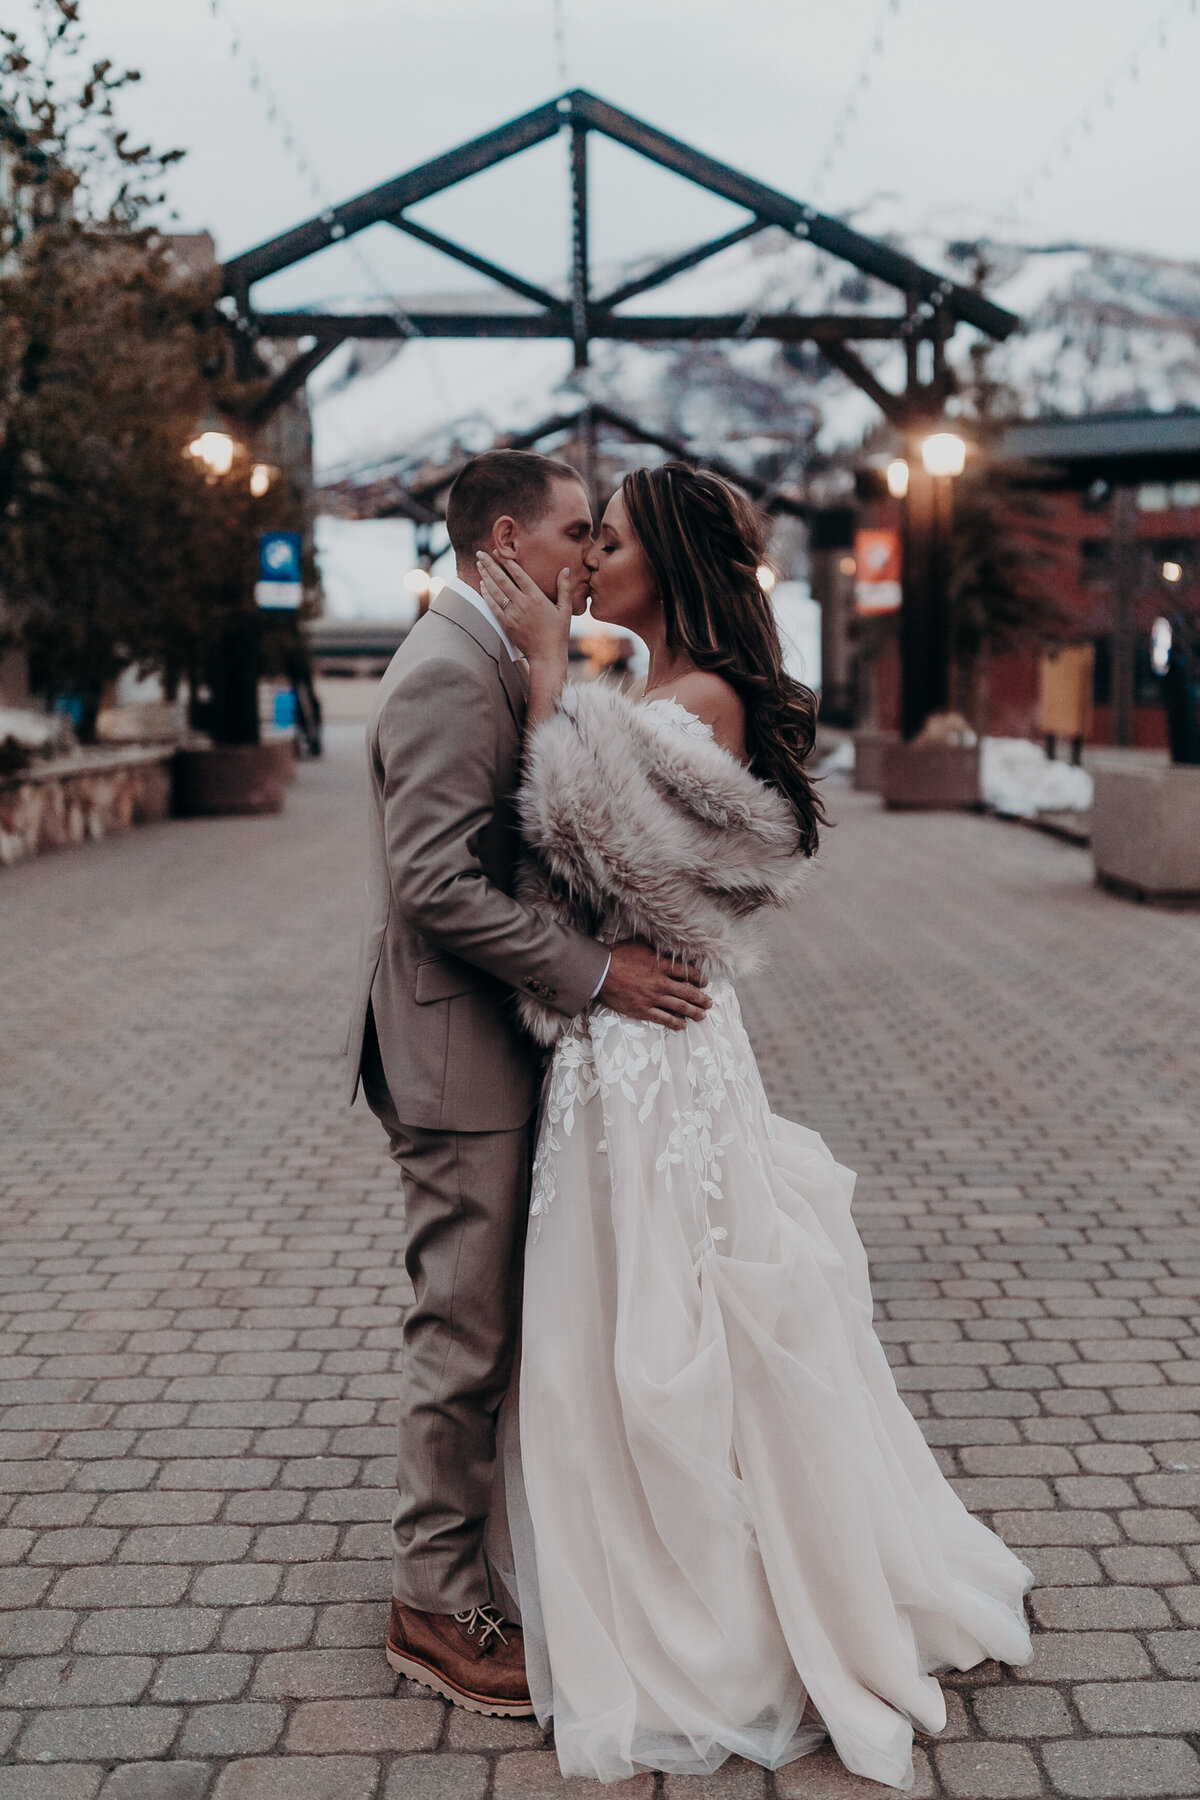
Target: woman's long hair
[(704, 542)]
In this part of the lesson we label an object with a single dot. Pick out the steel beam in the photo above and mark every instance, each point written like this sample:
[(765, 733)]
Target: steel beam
[(895, 407), (390, 494), (768, 203), (608, 415), (678, 265), (582, 111), (580, 267), (784, 328), (505, 277), (384, 202), (291, 379)]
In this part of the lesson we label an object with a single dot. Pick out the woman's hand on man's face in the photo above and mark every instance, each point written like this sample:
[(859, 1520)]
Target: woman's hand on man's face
[(540, 628)]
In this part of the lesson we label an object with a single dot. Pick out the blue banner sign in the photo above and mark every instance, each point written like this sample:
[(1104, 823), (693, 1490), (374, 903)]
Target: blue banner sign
[(279, 588)]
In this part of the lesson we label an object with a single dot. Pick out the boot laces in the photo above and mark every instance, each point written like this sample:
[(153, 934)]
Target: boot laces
[(487, 1621)]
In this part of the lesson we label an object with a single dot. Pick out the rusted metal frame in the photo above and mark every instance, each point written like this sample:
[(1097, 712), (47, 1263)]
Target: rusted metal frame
[(608, 415), (768, 203), (291, 379), (895, 407), (580, 269), (388, 498), (382, 203), (430, 485), (504, 277), (678, 265), (944, 382), (788, 328)]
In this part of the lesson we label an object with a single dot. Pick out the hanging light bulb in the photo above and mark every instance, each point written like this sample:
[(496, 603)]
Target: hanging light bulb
[(260, 479)]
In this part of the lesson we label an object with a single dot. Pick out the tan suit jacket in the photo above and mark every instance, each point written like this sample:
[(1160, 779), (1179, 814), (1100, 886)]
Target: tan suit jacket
[(445, 943)]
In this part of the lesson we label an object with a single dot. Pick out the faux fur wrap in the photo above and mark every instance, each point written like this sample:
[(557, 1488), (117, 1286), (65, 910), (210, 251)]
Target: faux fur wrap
[(638, 826)]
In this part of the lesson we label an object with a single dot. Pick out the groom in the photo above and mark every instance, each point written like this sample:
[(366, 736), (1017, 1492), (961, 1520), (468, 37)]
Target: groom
[(442, 1062)]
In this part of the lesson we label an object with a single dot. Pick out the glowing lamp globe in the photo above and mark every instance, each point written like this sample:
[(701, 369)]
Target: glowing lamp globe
[(944, 453), (215, 450), (897, 478)]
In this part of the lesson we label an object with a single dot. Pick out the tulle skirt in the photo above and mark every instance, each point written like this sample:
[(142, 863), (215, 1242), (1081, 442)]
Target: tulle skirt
[(726, 1534)]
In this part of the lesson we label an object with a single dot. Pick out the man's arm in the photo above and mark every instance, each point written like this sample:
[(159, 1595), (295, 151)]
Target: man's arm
[(438, 755)]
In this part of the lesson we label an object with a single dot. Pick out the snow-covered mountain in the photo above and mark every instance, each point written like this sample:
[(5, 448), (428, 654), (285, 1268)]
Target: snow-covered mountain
[(1101, 329)]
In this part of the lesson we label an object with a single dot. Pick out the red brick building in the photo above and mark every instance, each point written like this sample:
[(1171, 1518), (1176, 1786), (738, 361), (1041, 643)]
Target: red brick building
[(1120, 524)]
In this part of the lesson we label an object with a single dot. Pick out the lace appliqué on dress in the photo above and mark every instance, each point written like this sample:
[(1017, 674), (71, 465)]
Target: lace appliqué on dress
[(680, 719), (604, 1055), (697, 1091)]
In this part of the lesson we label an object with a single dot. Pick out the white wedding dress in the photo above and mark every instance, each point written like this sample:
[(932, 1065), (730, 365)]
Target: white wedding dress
[(723, 1519)]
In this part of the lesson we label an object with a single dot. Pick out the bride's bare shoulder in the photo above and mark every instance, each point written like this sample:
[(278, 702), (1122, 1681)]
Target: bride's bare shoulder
[(717, 702)]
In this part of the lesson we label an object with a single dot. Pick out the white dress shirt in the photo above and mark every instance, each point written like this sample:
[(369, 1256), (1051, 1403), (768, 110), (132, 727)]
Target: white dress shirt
[(481, 606)]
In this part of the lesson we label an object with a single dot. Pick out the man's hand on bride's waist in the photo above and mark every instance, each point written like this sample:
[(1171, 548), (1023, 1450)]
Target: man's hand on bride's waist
[(641, 985)]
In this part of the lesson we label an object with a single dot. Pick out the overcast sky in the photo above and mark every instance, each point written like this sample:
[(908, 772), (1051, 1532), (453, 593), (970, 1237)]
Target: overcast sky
[(964, 100)]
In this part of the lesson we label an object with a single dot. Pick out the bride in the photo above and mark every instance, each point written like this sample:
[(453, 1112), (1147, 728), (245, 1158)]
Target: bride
[(725, 1532)]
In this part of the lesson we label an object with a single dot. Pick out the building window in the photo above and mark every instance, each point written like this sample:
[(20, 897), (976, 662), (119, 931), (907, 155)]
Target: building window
[(1165, 496)]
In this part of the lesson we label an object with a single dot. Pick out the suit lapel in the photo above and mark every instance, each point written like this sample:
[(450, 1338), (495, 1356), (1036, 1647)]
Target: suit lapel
[(512, 678)]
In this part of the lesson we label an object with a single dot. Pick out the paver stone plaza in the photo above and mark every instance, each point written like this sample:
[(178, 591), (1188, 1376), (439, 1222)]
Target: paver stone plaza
[(202, 1291)]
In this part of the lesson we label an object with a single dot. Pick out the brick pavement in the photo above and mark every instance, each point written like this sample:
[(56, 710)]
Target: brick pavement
[(200, 1303)]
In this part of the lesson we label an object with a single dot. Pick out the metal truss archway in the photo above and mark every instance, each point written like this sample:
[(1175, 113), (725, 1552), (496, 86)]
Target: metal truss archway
[(932, 308)]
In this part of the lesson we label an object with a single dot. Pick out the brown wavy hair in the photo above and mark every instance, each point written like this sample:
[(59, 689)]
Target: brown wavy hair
[(704, 541)]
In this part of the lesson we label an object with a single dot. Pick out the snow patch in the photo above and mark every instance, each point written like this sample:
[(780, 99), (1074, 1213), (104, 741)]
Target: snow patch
[(1018, 779)]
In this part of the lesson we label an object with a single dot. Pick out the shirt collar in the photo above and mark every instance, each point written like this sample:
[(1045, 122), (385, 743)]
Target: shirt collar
[(481, 606)]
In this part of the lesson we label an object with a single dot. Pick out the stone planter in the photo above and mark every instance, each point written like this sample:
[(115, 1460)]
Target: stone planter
[(80, 798), (929, 775), (234, 778), (1146, 833), (868, 759)]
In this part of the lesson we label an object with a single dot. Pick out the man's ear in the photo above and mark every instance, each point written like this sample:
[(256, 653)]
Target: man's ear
[(504, 535)]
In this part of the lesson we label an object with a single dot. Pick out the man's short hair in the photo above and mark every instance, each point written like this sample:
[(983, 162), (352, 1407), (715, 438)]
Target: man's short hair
[(499, 482)]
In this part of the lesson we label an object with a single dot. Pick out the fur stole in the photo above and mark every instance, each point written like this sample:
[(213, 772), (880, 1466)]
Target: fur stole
[(637, 824)]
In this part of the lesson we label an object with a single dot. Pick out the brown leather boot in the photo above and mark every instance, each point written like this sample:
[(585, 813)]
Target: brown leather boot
[(475, 1659)]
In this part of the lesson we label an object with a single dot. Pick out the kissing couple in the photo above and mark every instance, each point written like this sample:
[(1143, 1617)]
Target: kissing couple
[(655, 1481)]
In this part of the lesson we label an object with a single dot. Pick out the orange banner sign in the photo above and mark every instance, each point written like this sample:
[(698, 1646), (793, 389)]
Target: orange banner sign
[(877, 570)]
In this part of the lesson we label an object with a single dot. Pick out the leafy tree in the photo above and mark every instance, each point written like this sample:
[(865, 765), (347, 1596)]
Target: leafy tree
[(1004, 547), (119, 549)]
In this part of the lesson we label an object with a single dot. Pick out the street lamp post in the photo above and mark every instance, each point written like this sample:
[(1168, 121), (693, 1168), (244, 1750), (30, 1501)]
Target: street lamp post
[(927, 490), (235, 660)]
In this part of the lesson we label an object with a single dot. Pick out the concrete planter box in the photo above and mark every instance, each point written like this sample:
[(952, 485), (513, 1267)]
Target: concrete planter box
[(929, 775), (868, 759), (234, 778), (1146, 833)]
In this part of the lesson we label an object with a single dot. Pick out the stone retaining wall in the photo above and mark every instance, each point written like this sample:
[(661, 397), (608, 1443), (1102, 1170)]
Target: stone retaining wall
[(88, 795)]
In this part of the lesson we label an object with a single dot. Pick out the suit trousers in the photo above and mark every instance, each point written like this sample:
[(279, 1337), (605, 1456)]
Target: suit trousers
[(466, 1202)]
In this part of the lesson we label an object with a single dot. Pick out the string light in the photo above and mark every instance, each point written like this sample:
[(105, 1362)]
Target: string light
[(850, 106), (1157, 37), (777, 274), (560, 44), (239, 49)]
